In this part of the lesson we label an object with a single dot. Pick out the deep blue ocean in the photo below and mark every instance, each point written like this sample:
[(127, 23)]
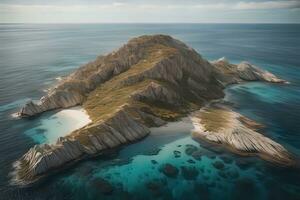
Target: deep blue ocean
[(33, 56)]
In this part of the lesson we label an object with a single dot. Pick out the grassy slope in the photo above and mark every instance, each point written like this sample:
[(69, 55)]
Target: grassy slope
[(106, 100)]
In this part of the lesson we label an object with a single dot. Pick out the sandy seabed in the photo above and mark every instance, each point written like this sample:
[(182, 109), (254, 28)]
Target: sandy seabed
[(58, 124)]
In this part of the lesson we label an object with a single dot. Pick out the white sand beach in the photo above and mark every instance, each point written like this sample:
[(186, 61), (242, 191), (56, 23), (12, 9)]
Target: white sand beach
[(77, 114), (58, 125)]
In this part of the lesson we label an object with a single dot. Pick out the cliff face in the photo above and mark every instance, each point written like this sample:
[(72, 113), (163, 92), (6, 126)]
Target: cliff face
[(147, 82), (119, 129)]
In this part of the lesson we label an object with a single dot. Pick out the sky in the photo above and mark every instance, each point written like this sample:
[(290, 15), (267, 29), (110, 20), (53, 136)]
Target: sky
[(154, 11)]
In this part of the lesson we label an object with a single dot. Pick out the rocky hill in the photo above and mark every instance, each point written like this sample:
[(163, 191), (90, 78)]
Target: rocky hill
[(147, 82)]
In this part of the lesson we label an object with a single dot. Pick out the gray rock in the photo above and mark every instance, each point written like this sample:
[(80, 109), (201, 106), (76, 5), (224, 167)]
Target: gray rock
[(249, 72), (236, 134), (155, 92), (228, 73)]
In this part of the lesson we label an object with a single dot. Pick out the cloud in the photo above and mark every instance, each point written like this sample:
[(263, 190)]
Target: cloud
[(128, 11), (267, 5), (241, 5), (118, 4)]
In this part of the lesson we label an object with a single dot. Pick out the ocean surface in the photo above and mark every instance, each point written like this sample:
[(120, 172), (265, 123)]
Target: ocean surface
[(33, 57)]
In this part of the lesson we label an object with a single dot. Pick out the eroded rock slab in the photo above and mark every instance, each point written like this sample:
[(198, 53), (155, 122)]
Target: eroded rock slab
[(231, 73), (218, 124)]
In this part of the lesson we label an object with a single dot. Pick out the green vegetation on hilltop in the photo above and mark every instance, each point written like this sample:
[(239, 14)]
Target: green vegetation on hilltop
[(108, 97)]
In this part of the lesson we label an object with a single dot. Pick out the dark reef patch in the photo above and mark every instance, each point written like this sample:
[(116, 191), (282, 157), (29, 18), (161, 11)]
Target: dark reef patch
[(222, 174), (169, 170), (218, 165), (190, 149), (191, 161), (103, 186), (233, 174), (152, 152), (197, 155), (154, 162), (226, 159), (189, 173), (155, 187), (177, 154)]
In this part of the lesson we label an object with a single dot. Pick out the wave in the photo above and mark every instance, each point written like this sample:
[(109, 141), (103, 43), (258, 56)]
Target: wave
[(59, 78)]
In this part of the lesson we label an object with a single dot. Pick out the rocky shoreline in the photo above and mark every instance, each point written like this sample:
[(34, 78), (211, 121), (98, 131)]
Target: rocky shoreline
[(219, 125), (146, 83)]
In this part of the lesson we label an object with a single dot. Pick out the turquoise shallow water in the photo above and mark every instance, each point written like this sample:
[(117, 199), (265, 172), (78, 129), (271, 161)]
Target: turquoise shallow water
[(33, 56)]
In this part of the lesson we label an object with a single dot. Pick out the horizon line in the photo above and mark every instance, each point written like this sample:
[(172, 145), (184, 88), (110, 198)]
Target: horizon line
[(149, 23)]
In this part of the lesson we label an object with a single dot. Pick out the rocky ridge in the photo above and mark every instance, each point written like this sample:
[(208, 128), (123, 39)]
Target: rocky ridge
[(147, 82), (220, 125), (231, 73)]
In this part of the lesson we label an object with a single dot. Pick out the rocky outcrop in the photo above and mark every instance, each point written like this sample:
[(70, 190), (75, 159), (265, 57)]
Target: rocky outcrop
[(220, 125), (249, 72), (120, 129), (42, 157), (145, 83), (155, 92), (229, 73), (52, 101)]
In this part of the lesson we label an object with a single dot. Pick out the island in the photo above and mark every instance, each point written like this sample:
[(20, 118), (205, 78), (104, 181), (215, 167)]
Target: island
[(148, 82)]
